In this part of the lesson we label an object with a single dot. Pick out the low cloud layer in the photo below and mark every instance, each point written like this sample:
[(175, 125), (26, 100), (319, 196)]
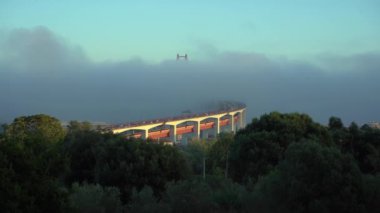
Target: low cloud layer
[(42, 73), (39, 50)]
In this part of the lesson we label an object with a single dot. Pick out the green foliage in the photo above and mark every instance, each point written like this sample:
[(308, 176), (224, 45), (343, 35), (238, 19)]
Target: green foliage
[(9, 189), (335, 123), (261, 145), (287, 163), (89, 198), (82, 147), (219, 154), (30, 129), (145, 201), (189, 196), (31, 165), (113, 161), (197, 152), (215, 194), (288, 128), (371, 192), (254, 155), (312, 178), (366, 150), (136, 164), (228, 196), (2, 129), (363, 144), (27, 186)]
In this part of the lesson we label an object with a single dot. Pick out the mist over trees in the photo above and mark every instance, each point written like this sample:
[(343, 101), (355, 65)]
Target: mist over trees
[(281, 162)]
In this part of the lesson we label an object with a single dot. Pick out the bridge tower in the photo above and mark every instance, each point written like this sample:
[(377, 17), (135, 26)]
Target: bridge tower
[(182, 57)]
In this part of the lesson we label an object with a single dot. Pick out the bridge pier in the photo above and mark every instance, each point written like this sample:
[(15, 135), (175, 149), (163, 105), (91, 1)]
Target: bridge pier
[(233, 127), (173, 133), (198, 130), (216, 126), (146, 134), (243, 114)]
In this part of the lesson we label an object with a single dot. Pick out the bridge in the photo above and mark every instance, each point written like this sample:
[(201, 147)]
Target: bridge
[(180, 129)]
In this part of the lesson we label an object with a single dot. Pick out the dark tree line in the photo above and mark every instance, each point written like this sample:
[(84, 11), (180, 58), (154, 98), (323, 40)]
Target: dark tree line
[(278, 163)]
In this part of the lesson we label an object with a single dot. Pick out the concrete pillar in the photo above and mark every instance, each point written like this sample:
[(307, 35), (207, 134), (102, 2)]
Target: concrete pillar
[(241, 120), (198, 129), (244, 118), (233, 123), (146, 134), (217, 127), (173, 133)]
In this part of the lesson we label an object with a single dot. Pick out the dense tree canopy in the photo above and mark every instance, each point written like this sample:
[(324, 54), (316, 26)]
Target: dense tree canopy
[(113, 161), (219, 154), (36, 128), (311, 178), (261, 145), (363, 143), (88, 198), (288, 128), (278, 163), (31, 165)]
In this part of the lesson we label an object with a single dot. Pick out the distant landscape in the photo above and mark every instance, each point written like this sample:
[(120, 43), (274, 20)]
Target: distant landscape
[(190, 106)]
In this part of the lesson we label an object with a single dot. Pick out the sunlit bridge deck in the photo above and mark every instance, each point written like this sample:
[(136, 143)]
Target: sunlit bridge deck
[(182, 128)]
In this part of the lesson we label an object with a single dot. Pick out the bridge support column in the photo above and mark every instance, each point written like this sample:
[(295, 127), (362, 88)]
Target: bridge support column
[(241, 120), (198, 130), (217, 127), (233, 123), (173, 133), (244, 118), (146, 134)]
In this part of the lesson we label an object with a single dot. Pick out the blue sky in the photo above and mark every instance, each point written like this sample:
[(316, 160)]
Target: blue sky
[(157, 30)]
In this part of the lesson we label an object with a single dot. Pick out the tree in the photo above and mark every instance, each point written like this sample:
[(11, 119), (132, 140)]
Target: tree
[(31, 129), (219, 154), (33, 165), (215, 194), (261, 145), (340, 134), (288, 128), (82, 146), (145, 201), (193, 195), (311, 178), (366, 150), (254, 155), (363, 143), (197, 152), (88, 198), (135, 164), (335, 123), (2, 129), (111, 160), (9, 189), (372, 192)]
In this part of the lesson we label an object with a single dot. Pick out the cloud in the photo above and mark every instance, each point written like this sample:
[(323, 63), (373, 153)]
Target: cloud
[(134, 89), (39, 50), (362, 62)]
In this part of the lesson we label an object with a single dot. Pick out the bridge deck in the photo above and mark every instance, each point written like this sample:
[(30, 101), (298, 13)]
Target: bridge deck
[(171, 127)]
